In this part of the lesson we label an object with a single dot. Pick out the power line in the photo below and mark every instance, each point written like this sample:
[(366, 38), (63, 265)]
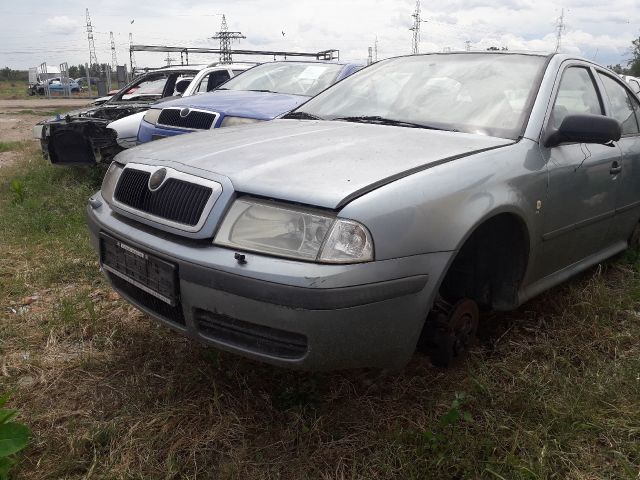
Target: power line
[(375, 50), (415, 45), (226, 37), (132, 58), (114, 59), (93, 59), (560, 29)]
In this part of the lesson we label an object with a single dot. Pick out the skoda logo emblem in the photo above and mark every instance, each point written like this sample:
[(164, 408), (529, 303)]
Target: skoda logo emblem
[(157, 179), (184, 112)]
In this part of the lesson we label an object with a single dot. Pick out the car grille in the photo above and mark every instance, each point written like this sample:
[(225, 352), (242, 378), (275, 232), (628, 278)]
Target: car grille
[(177, 200), (250, 336), (195, 119), (146, 300)]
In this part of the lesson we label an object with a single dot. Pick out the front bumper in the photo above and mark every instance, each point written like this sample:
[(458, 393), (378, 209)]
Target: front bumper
[(149, 132), (288, 313), (85, 141)]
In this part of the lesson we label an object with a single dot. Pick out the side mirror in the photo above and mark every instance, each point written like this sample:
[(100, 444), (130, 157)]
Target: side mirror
[(584, 128)]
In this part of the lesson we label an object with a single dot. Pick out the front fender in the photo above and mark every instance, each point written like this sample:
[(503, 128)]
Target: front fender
[(437, 209)]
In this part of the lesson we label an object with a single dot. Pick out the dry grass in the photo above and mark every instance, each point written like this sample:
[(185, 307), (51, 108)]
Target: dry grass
[(553, 389), (17, 89), (13, 90)]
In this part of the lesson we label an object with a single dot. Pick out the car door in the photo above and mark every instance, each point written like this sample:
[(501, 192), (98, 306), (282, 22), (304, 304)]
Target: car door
[(581, 192), (624, 107)]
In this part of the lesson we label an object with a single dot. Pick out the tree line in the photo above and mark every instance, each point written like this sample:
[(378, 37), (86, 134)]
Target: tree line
[(75, 71)]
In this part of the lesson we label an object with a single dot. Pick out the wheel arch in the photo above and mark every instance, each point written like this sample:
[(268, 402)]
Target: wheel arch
[(507, 281)]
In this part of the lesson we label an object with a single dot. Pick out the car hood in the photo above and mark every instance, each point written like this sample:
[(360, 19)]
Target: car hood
[(237, 103), (321, 163)]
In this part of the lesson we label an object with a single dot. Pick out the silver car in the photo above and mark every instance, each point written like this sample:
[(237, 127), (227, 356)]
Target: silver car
[(380, 215)]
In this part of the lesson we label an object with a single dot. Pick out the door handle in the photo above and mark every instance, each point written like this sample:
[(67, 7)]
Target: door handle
[(616, 168)]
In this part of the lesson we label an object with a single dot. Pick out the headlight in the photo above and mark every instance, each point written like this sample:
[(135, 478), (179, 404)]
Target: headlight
[(234, 121), (294, 232), (152, 115), (110, 181)]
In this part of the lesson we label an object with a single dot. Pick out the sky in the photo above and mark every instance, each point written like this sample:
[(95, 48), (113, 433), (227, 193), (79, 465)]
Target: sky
[(32, 32)]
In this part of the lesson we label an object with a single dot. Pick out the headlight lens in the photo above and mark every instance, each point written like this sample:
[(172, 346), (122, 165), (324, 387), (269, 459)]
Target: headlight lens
[(299, 233), (110, 181), (152, 115), (234, 121), (348, 242)]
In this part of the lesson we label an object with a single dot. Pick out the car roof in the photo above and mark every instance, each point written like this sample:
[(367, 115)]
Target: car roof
[(233, 65)]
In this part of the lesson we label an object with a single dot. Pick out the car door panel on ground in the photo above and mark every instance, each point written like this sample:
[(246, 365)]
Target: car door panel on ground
[(581, 196), (625, 108)]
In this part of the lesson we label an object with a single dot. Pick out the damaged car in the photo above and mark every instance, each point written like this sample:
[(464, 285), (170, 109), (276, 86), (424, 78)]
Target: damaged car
[(88, 136), (383, 214)]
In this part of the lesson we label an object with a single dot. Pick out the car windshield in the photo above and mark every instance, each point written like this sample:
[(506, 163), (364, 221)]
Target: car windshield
[(474, 93), (293, 78)]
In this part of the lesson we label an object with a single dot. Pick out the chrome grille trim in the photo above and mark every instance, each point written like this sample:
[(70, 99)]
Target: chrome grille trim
[(215, 116), (216, 191)]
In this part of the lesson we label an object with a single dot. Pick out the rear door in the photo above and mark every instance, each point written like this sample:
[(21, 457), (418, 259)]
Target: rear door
[(624, 107), (581, 195)]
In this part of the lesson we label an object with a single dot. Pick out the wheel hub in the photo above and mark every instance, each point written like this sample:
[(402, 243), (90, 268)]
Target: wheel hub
[(450, 330)]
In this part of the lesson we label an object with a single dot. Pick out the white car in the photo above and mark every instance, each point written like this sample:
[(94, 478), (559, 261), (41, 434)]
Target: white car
[(205, 80), (634, 83), (97, 133)]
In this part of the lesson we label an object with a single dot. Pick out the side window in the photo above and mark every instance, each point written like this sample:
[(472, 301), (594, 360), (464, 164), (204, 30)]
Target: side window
[(635, 104), (213, 80), (217, 78), (202, 88), (577, 94), (621, 108)]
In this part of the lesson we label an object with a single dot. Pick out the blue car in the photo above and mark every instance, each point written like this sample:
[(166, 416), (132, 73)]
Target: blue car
[(56, 85), (262, 93)]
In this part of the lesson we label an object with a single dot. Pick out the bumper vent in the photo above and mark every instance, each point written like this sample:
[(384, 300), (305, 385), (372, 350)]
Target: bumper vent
[(249, 336), (194, 120), (177, 200)]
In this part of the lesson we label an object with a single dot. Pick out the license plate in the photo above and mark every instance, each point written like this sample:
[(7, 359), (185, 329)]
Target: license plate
[(147, 272)]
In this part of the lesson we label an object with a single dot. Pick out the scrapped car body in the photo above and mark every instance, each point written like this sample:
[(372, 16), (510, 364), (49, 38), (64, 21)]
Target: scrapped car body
[(262, 93), (88, 136), (380, 215)]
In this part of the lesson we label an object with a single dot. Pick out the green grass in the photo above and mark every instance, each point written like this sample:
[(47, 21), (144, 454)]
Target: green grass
[(11, 146), (552, 390), (13, 90), (17, 90)]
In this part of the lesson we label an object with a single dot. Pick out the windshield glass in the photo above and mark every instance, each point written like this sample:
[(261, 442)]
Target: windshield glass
[(153, 86), (474, 93), (293, 78)]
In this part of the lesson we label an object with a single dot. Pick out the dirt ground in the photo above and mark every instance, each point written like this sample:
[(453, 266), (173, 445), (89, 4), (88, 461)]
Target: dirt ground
[(17, 117), (49, 103), (16, 127)]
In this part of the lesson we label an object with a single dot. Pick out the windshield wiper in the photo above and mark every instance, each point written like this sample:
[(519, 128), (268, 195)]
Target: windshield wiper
[(378, 120), (258, 90), (299, 115)]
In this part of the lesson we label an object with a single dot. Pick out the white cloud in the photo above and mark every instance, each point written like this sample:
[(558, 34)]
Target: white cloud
[(312, 25), (62, 25)]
